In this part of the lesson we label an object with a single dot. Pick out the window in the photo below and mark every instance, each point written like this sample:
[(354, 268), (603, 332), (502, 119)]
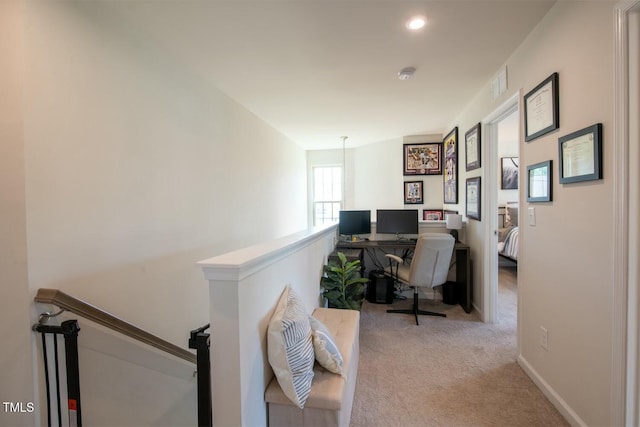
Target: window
[(327, 194)]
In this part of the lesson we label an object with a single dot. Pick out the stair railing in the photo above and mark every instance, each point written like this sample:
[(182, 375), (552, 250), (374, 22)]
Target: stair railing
[(90, 312), (69, 329)]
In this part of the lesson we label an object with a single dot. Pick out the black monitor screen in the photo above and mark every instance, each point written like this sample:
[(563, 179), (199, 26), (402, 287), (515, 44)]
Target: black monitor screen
[(354, 222), (397, 221)]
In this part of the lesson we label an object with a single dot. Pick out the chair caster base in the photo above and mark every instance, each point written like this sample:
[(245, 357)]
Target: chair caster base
[(416, 312)]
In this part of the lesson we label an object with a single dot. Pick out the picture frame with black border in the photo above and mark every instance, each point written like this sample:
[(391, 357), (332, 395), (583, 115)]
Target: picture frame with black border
[(541, 109), (413, 193), (422, 159), (509, 167), (450, 175), (473, 198), (432, 215), (472, 144), (580, 155), (540, 182)]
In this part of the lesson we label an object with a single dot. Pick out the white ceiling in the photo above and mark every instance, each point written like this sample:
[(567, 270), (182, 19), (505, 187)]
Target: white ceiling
[(319, 69)]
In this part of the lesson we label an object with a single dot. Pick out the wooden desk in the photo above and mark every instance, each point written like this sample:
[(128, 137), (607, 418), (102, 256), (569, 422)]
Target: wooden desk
[(464, 276), (462, 258)]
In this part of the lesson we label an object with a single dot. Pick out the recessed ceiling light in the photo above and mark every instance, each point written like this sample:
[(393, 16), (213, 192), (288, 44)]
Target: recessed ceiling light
[(416, 23), (406, 73)]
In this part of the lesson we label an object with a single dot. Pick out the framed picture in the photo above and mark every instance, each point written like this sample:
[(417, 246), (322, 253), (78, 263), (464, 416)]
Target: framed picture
[(422, 159), (473, 198), (581, 155), (472, 147), (413, 193), (432, 215), (539, 179), (450, 147), (541, 112), (509, 173)]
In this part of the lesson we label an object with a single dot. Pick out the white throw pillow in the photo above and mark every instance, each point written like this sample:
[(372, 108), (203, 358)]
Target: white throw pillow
[(290, 347), (327, 352)]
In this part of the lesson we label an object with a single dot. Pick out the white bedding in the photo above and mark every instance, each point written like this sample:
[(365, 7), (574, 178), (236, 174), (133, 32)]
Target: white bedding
[(508, 245)]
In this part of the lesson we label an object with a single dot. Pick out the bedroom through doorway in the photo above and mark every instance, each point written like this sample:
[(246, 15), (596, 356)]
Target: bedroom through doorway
[(501, 133), (508, 191)]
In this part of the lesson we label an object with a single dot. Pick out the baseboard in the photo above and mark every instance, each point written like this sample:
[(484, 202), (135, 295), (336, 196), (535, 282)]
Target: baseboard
[(477, 310), (562, 406)]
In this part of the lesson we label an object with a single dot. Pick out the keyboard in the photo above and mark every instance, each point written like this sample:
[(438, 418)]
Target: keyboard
[(396, 242)]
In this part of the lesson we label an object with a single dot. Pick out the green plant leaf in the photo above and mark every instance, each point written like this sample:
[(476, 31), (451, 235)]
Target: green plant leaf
[(343, 258), (342, 284)]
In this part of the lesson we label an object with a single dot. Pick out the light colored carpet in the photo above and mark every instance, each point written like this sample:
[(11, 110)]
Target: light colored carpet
[(453, 371)]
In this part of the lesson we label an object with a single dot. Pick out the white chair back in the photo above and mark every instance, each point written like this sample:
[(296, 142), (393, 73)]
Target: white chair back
[(431, 259)]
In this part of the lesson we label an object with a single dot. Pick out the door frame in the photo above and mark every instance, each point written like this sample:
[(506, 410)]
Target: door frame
[(490, 159), (625, 369)]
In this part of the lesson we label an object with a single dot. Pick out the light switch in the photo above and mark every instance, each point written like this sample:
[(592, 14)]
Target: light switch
[(532, 216)]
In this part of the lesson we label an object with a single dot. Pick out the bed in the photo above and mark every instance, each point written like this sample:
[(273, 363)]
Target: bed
[(508, 231)]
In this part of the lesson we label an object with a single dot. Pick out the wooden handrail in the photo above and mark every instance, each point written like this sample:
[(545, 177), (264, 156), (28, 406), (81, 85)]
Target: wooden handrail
[(88, 311)]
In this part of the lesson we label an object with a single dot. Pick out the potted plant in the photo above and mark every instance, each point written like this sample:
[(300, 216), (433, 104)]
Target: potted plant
[(342, 284)]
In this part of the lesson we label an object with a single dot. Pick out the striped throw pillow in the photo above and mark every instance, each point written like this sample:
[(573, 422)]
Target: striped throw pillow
[(290, 347)]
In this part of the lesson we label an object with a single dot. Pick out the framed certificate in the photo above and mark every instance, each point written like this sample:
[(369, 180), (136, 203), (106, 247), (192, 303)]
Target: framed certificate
[(539, 178), (472, 147), (473, 198), (541, 112), (580, 155)]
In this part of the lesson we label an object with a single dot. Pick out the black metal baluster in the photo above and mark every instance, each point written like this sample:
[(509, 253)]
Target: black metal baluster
[(70, 329), (199, 340), (55, 354), (46, 378)]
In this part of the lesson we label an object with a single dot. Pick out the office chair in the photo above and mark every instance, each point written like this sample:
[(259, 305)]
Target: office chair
[(428, 268)]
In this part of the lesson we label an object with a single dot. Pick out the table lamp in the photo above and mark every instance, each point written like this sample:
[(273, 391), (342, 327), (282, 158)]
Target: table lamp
[(454, 223)]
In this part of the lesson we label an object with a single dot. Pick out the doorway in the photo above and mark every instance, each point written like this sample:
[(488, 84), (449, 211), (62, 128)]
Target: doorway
[(502, 125), (507, 207)]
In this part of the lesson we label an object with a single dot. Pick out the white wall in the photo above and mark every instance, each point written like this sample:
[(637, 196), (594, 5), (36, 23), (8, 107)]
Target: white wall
[(16, 354), (374, 178), (555, 289), (380, 181), (136, 168), (245, 286)]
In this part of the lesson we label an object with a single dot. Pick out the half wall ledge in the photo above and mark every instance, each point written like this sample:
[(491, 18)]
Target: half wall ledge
[(241, 263)]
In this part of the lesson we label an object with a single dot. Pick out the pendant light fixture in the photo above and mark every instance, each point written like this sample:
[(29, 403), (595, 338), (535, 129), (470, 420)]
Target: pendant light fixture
[(344, 171)]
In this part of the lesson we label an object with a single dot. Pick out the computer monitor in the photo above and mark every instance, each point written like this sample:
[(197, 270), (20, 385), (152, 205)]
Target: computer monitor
[(397, 221), (354, 222)]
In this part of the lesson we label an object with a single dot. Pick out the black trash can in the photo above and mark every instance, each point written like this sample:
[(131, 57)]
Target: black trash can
[(449, 294), (380, 288)]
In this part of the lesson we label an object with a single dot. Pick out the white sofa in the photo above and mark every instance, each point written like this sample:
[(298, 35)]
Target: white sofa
[(331, 398)]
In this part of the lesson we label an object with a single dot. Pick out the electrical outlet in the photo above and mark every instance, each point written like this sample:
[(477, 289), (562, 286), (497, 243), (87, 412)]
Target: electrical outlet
[(544, 338)]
